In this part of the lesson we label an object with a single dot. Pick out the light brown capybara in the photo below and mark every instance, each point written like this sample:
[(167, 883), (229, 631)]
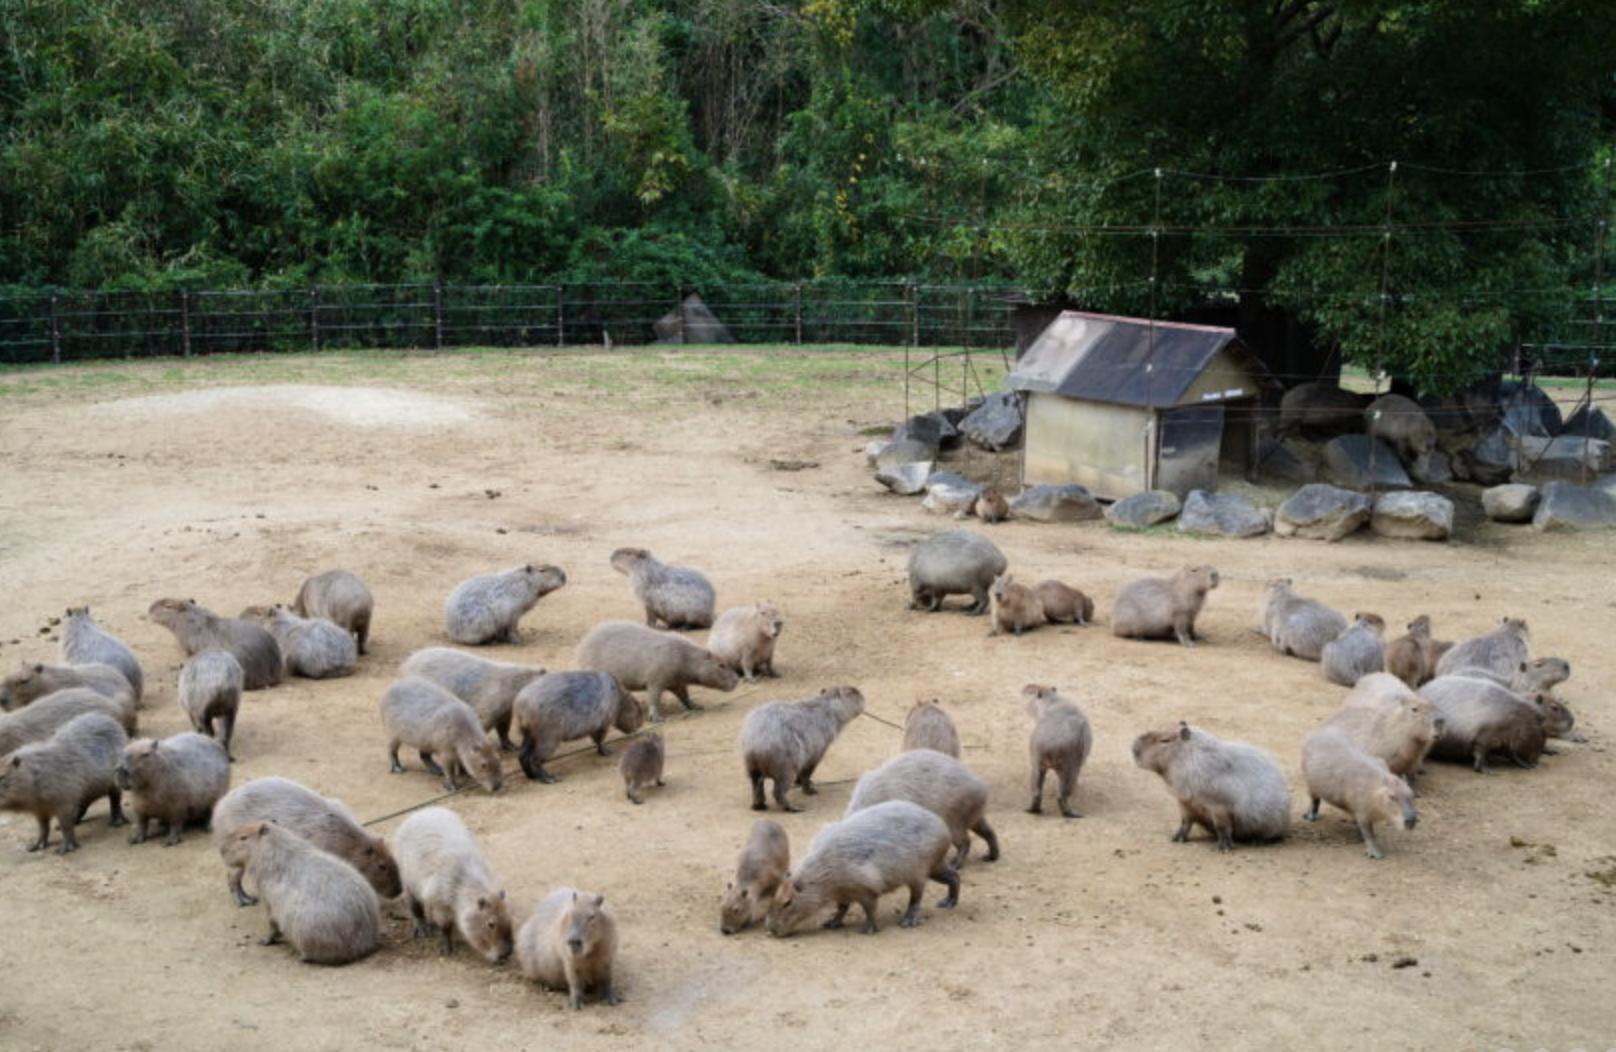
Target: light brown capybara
[(928, 726), (955, 562), (341, 598), (991, 506), (1063, 603), (1401, 423), (1297, 626), (1389, 721), (942, 785), (1412, 657), (1060, 741), (35, 679), (198, 629), (784, 741), (311, 647), (1338, 772), (1163, 607), (561, 706), (641, 766), (317, 903), (1355, 653), (570, 942), (763, 863), (644, 659), (175, 781), (41, 719), (449, 886), (420, 714), (1481, 717), (62, 776), (744, 638), (674, 597), (1502, 650), (1014, 606), (489, 608), (210, 694), (84, 642), (1233, 790), (489, 687)]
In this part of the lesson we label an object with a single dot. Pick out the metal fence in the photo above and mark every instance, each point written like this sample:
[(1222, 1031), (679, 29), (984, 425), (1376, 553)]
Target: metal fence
[(85, 326)]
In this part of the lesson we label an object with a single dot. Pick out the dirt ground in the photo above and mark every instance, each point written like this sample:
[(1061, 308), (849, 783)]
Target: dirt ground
[(1491, 925)]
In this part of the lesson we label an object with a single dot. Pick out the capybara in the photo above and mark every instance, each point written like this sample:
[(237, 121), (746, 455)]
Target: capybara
[(422, 715), (210, 694), (641, 765), (674, 596), (764, 862), (1481, 717), (316, 902), (62, 776), (1356, 652), (1231, 789), (449, 886), (174, 781), (35, 679), (928, 726), (324, 822), (991, 506), (487, 609), (1321, 409), (892, 845), (560, 706), (341, 598), (1502, 650), (86, 643), (942, 785), (1015, 606), (1399, 421), (1544, 673), (489, 687), (955, 562), (311, 647), (40, 720), (570, 942), (644, 659), (1389, 721), (1064, 603), (1163, 607), (198, 629), (785, 741), (1060, 741), (1412, 657), (1297, 626), (744, 638), (1340, 773)]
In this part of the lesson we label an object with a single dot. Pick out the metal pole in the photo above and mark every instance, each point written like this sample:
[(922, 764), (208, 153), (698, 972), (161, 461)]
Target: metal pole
[(679, 308), (314, 317), (437, 313), (798, 316), (185, 323), (561, 314), (55, 332)]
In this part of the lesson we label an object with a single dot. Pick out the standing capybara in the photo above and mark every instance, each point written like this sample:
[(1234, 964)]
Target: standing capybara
[(570, 941), (173, 781), (892, 845), (449, 886), (1340, 773), (487, 609), (561, 706), (198, 629), (1060, 742), (1356, 652), (641, 765), (1542, 673), (341, 598), (1481, 717), (929, 727), (1064, 603), (34, 679), (1389, 721), (489, 687), (325, 823), (86, 643), (1163, 607), (744, 638), (1231, 789), (785, 740), (991, 506), (674, 597), (311, 647), (942, 785), (1502, 650), (43, 718), (1399, 421), (210, 694), (422, 715), (316, 902), (644, 659), (1296, 626), (1412, 657), (1014, 606), (955, 562), (764, 862), (62, 776)]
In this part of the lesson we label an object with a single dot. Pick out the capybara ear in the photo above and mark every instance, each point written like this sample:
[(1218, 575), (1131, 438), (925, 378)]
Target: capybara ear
[(529, 567), (600, 900), (1523, 666), (575, 896), (1183, 731), (263, 829), (502, 894), (39, 667), (482, 902)]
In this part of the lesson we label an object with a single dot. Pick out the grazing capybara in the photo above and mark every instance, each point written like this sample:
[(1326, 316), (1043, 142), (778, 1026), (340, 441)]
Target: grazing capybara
[(641, 765), (955, 562), (991, 506), (570, 942), (174, 781), (422, 715), (1163, 607), (62, 776), (1321, 409), (316, 902), (1233, 790), (40, 720), (674, 597), (86, 643), (325, 823), (942, 785), (210, 694), (1481, 717), (487, 609), (1544, 673), (1502, 650), (928, 726), (1356, 652), (1412, 657), (744, 638), (1060, 741), (892, 845), (1296, 626), (1340, 773), (644, 659), (311, 647), (764, 862), (449, 886), (562, 706), (1389, 721), (341, 598), (489, 687), (34, 679), (1400, 422), (785, 740), (1015, 606), (1064, 603), (198, 629)]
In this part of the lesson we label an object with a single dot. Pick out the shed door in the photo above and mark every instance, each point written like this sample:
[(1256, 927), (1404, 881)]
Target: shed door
[(1187, 457)]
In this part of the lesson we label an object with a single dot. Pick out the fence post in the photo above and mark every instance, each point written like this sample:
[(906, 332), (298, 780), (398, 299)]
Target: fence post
[(314, 317), (185, 323), (437, 312), (561, 315), (914, 314), (797, 312), (679, 309), (55, 332)]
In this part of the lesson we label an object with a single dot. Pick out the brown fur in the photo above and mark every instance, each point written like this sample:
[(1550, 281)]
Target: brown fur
[(318, 903), (422, 715), (1014, 606), (570, 941), (991, 506), (489, 687), (641, 765), (341, 598), (764, 862), (1339, 772), (1390, 722), (562, 706), (174, 781), (942, 785), (1411, 658), (784, 741), (744, 638), (642, 658), (1232, 789), (34, 679), (198, 629), (1060, 742), (1482, 717), (39, 720), (1357, 652), (1062, 602), (210, 694), (928, 726), (62, 776), (449, 886), (1163, 607)]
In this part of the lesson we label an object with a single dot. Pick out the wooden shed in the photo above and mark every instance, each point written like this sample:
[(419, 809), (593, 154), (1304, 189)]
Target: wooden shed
[(1124, 405)]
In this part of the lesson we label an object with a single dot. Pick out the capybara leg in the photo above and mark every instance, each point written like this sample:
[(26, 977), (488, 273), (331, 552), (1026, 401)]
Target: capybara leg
[(44, 835), (608, 993), (1312, 813), (575, 985), (175, 828), (805, 778), (600, 743), (1548, 751), (513, 635), (867, 903), (502, 727), (780, 786), (758, 802), (1480, 755), (274, 935), (1186, 822), (362, 634), (949, 877), (962, 848), (139, 835), (429, 763), (653, 703), (633, 796), (989, 837), (838, 917), (1037, 805), (682, 692), (1184, 630), (1225, 831), (911, 916), (115, 802), (392, 754), (1520, 761), (980, 607), (447, 947), (422, 928), (1367, 831), (233, 878), (228, 732), (1068, 785), (651, 619), (70, 840)]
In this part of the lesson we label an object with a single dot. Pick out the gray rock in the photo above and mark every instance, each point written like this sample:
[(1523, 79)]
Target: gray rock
[(1607, 483), (872, 450), (1590, 422), (1413, 516), (1529, 411), (1048, 503), (947, 498), (906, 452), (1282, 462), (933, 429), (948, 478), (1567, 507), (1223, 515), (1322, 513), (1512, 502), (1143, 509), (905, 479), (1491, 461), (1566, 457), (996, 424), (1360, 462), (1430, 467)]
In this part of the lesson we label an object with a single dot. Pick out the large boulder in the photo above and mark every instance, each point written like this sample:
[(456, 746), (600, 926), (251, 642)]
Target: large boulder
[(1529, 411), (1321, 409), (1323, 513), (1143, 510), (933, 429), (1565, 457), (905, 479), (948, 494), (1221, 515), (1430, 468), (894, 454), (1567, 507), (1511, 502), (1476, 407), (1413, 516), (996, 424), (1489, 462), (1281, 460), (1590, 422), (1360, 462), (1048, 503)]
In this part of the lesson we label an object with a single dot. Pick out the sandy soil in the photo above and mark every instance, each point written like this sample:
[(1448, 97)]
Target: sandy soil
[(1491, 925)]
